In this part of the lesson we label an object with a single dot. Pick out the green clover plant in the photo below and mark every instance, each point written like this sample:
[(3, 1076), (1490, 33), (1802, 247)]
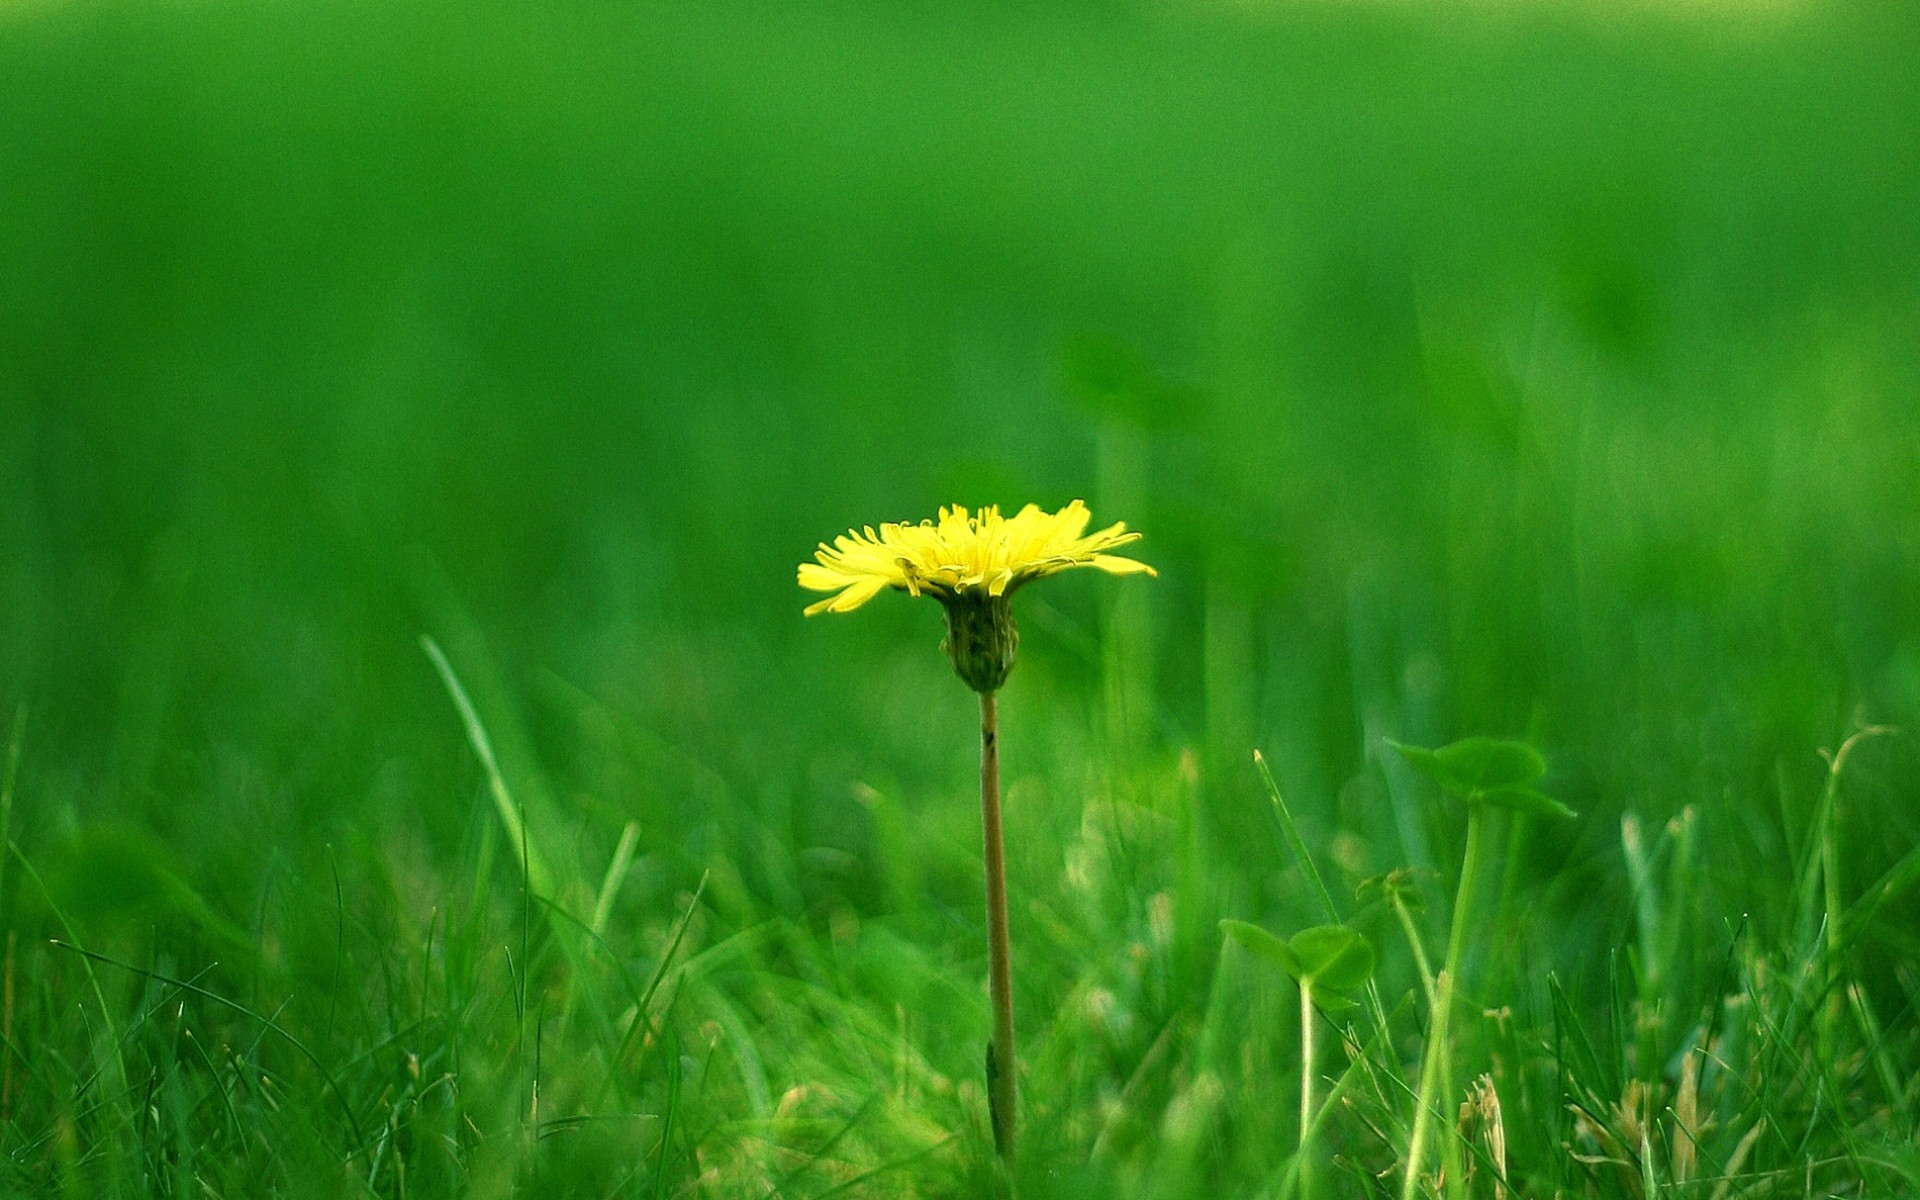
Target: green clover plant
[(1483, 773), (1328, 962)]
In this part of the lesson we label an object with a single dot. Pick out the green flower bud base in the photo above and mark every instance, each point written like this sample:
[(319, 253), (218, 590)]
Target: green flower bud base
[(981, 639)]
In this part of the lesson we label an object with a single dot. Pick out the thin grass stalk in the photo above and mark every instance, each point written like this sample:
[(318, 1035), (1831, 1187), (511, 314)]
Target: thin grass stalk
[(1306, 1087), (1436, 1027), (1001, 1069), (1357, 1057), (6, 835), (1420, 962), (1298, 844), (1827, 834), (1831, 960), (1436, 1070)]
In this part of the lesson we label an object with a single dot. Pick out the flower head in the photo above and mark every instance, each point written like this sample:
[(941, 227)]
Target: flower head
[(972, 564), (963, 554)]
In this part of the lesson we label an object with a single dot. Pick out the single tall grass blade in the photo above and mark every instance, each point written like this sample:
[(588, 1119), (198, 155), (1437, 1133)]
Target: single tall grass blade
[(525, 852), (616, 875)]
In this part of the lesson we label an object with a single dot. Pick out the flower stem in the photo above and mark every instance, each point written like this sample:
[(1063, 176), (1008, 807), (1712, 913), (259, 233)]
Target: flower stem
[(1001, 1068)]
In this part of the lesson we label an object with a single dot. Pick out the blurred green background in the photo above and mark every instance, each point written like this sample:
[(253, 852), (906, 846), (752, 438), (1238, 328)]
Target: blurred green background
[(1521, 369)]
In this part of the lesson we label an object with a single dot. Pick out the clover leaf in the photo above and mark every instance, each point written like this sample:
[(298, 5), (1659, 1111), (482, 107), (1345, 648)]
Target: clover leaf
[(1483, 770), (1325, 958)]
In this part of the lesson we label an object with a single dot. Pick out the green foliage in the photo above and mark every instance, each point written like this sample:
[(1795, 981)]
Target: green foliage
[(1477, 765), (1330, 957), (1540, 369), (1333, 956), (1482, 770)]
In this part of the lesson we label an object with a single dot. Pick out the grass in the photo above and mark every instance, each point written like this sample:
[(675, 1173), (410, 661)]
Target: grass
[(481, 1038), (1535, 373)]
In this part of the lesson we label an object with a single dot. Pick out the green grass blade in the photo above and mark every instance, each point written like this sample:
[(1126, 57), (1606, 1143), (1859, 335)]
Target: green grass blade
[(616, 875), (533, 863), (1295, 842)]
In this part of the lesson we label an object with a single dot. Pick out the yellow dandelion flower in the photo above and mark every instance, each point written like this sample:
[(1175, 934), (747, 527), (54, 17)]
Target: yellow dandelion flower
[(973, 563), (963, 554)]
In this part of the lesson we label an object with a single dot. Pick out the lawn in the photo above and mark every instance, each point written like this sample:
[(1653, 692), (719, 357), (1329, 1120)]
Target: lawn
[(417, 775)]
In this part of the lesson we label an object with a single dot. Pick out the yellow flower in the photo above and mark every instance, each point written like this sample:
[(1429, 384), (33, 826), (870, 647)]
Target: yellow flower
[(973, 563), (963, 556)]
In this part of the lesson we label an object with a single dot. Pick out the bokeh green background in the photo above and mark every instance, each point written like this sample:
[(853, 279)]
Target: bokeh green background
[(1519, 369)]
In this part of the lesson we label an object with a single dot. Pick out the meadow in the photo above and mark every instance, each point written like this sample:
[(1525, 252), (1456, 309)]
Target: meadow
[(418, 777)]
